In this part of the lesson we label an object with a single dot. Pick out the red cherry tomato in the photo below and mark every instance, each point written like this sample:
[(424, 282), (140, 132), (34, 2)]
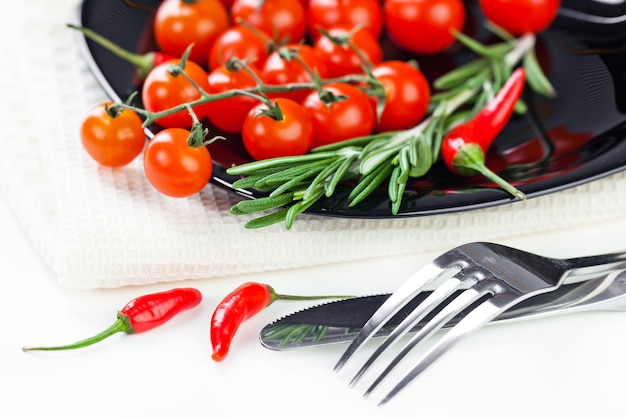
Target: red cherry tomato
[(229, 114), (521, 16), (161, 91), (329, 13), (349, 117), (407, 95), (180, 23), (239, 42), (423, 26), (112, 141), (280, 70), (284, 18), (342, 59), (265, 137), (174, 167)]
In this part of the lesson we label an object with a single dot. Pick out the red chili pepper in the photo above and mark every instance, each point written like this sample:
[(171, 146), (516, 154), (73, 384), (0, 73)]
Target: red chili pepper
[(241, 304), (142, 63), (465, 146), (141, 314)]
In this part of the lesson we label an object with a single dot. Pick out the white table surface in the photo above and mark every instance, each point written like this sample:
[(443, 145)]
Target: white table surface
[(563, 366)]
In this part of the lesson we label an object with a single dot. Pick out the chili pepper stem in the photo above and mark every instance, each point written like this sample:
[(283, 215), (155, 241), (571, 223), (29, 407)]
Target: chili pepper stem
[(122, 324), (470, 159), (274, 296)]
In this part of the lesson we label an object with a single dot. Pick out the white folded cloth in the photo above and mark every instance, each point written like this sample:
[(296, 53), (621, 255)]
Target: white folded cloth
[(103, 228)]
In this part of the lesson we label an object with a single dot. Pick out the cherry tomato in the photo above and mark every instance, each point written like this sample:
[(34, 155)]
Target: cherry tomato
[(407, 95), (341, 58), (284, 18), (286, 66), (174, 167), (329, 13), (520, 16), (266, 137), (180, 23), (112, 141), (162, 90), (423, 26), (349, 113), (239, 42), (229, 114)]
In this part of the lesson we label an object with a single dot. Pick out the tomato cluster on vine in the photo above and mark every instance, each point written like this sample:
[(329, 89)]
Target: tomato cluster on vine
[(286, 75)]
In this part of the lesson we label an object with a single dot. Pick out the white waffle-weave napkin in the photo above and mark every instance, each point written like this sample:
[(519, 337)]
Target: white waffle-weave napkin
[(102, 228)]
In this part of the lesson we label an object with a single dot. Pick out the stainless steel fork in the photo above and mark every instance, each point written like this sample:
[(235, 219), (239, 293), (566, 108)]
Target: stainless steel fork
[(492, 277)]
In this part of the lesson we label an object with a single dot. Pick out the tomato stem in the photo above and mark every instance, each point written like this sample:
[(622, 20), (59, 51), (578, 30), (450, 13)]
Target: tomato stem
[(346, 40), (142, 63), (291, 54), (260, 94), (261, 89), (272, 44), (113, 110)]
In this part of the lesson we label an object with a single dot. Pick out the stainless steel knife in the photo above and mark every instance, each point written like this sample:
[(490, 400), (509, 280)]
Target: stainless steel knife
[(339, 321)]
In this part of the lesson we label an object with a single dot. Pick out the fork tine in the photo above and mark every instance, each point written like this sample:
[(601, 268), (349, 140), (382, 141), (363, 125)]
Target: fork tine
[(474, 320), (459, 304), (435, 299), (413, 286)]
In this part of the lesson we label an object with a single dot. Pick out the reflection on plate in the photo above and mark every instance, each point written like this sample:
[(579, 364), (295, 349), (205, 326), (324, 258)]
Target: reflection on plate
[(572, 139)]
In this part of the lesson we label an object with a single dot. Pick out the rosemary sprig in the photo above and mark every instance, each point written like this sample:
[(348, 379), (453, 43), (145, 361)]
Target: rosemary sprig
[(296, 183)]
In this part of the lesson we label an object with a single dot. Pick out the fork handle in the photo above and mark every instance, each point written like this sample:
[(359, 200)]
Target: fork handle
[(590, 267), (601, 294)]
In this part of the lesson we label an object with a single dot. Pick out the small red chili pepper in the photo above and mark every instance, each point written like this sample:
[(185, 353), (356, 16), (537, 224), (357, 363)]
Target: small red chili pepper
[(140, 315), (143, 63), (239, 305), (464, 148)]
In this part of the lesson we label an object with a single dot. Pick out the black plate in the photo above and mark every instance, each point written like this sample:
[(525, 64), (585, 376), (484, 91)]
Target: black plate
[(573, 139)]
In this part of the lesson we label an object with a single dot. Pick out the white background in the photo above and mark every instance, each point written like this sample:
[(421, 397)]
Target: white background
[(565, 366)]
